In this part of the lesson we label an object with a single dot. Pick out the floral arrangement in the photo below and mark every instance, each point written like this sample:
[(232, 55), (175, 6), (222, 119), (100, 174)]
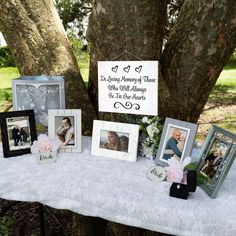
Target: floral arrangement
[(150, 135), (44, 144), (176, 171)]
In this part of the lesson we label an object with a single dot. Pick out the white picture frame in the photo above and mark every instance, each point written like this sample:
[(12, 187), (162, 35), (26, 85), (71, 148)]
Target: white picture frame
[(128, 87), (124, 149), (71, 138)]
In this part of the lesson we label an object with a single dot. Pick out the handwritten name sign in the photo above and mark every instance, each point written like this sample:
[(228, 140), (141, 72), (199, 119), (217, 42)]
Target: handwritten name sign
[(128, 87), (157, 173)]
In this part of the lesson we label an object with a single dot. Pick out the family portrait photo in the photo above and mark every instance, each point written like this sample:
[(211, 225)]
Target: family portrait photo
[(18, 133), (116, 141)]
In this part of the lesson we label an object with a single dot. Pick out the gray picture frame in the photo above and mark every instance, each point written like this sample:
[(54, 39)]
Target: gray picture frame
[(39, 93), (189, 129), (211, 184)]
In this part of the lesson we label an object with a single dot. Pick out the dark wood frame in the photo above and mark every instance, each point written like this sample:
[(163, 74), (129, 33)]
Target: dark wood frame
[(4, 131)]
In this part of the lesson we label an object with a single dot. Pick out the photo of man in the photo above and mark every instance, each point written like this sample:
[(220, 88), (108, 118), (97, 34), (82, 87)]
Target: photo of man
[(174, 143), (65, 130)]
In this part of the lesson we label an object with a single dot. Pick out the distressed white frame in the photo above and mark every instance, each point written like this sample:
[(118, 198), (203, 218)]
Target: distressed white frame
[(131, 129), (76, 113)]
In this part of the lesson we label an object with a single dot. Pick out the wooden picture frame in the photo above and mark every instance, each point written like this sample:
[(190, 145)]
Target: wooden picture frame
[(125, 140), (216, 158), (180, 146), (59, 120), (18, 132)]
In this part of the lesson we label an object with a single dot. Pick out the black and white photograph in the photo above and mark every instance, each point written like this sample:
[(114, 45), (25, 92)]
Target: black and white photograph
[(65, 126), (18, 132), (115, 140)]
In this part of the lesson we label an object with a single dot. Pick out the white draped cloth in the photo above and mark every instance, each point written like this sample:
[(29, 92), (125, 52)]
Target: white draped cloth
[(118, 191)]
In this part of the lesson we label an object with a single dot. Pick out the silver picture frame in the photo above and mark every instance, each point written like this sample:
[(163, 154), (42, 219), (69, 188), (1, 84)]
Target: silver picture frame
[(186, 131), (39, 93), (215, 159)]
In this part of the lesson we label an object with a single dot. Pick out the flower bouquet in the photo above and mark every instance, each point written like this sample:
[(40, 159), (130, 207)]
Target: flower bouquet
[(45, 149), (150, 135)]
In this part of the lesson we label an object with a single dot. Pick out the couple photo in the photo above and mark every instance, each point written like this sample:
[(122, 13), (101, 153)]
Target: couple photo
[(116, 141), (18, 133)]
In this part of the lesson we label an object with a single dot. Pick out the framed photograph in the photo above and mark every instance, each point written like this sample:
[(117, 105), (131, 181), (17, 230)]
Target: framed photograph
[(176, 141), (39, 93), (216, 158), (65, 125), (18, 132), (115, 140)]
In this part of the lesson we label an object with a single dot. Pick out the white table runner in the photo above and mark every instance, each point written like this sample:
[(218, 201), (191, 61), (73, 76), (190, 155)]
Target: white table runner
[(118, 191)]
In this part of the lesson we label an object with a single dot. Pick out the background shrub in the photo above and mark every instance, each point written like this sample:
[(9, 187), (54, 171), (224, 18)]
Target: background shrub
[(6, 58)]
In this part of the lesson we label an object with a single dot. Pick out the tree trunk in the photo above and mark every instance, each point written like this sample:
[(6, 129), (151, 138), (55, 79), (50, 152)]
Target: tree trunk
[(116, 26), (198, 48), (37, 39)]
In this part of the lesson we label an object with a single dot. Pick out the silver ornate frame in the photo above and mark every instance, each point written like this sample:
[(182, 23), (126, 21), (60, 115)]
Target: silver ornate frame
[(212, 186)]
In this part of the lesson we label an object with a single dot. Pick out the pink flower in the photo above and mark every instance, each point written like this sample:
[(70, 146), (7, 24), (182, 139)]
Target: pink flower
[(175, 171), (44, 144)]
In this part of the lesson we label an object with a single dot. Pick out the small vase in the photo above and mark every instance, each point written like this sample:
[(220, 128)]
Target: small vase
[(46, 157)]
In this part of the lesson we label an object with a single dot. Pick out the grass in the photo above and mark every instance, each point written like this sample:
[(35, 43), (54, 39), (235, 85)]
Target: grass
[(220, 108)]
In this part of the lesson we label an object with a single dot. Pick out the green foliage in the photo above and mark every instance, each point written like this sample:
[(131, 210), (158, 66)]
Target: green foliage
[(5, 225), (72, 13), (200, 177), (6, 58)]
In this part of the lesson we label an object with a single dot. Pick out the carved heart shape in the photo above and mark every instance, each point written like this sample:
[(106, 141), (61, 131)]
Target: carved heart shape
[(126, 69), (138, 69), (114, 69)]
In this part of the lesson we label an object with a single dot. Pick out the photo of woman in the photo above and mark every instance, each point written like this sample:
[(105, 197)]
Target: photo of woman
[(115, 141)]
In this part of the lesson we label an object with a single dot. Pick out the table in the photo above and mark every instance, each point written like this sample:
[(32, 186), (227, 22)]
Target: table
[(118, 191)]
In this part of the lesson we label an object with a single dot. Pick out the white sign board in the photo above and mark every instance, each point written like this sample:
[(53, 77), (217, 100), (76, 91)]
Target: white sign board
[(128, 87)]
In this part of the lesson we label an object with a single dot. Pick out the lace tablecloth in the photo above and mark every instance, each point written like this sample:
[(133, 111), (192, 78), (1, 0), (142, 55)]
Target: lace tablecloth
[(118, 191)]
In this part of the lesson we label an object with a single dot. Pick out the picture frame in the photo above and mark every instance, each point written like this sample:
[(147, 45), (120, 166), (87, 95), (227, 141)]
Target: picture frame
[(215, 159), (18, 132), (65, 125), (176, 140), (115, 140), (39, 93)]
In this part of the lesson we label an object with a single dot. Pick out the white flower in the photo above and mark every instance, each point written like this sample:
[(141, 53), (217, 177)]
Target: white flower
[(145, 119), (152, 129)]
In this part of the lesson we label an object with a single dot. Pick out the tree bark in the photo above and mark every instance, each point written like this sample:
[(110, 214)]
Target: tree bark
[(198, 48), (116, 26), (37, 39)]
